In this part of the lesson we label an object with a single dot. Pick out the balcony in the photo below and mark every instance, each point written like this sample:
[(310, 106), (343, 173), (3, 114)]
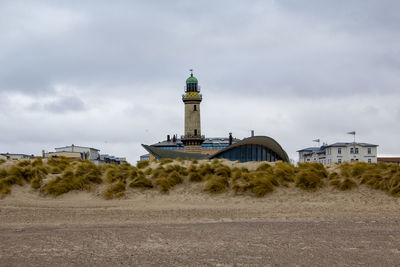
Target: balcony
[(192, 136), (200, 97), (198, 89)]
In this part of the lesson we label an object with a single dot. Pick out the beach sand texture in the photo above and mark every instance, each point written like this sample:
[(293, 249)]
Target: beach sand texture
[(188, 227)]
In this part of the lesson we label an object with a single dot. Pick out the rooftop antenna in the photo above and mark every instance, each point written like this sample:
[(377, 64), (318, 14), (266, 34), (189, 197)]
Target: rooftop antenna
[(354, 136), (354, 140), (191, 72), (317, 141)]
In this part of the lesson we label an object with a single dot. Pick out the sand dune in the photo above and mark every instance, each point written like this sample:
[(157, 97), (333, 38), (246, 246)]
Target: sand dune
[(190, 227), (188, 202)]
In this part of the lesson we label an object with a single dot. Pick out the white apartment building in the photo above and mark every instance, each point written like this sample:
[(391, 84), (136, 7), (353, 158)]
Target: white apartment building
[(339, 152), (13, 156)]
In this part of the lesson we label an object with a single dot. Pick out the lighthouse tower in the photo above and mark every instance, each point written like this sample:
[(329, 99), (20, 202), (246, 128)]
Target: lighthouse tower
[(192, 139)]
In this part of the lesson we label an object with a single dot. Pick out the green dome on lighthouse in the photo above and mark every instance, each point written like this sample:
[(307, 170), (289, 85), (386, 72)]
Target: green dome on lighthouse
[(192, 79), (192, 84)]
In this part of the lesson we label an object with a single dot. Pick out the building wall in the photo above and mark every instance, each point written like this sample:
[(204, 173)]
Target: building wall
[(311, 157), (302, 159), (74, 155), (395, 160), (193, 149), (209, 151), (333, 156), (92, 153), (192, 118), (16, 156)]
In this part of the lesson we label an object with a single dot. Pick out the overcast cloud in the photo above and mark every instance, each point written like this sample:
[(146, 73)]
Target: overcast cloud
[(110, 74)]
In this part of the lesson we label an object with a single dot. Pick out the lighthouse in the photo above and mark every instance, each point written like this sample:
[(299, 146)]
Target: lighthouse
[(192, 139)]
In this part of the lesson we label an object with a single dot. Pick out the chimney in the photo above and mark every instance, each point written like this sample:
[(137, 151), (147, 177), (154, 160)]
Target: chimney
[(72, 146), (168, 138), (230, 139), (43, 154), (252, 133)]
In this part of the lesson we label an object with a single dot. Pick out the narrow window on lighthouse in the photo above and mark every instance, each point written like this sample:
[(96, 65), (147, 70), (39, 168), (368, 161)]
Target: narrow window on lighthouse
[(194, 108)]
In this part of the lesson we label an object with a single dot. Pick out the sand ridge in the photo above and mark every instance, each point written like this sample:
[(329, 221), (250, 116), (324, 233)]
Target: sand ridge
[(188, 202)]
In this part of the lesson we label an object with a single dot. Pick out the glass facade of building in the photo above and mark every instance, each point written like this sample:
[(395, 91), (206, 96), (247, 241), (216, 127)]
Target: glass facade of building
[(175, 147), (209, 144), (213, 146), (245, 153)]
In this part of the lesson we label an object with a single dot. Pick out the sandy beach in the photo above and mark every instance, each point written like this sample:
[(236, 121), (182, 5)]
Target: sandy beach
[(188, 227)]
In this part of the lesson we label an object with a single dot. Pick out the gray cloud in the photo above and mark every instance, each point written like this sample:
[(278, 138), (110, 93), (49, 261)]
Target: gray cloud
[(65, 104)]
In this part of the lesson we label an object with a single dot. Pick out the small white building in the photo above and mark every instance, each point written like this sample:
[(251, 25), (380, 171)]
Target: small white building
[(339, 152), (11, 156), (85, 153), (88, 153)]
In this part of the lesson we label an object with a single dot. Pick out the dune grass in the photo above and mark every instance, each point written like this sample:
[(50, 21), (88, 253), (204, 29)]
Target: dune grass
[(116, 190), (379, 176), (2, 161), (284, 172), (342, 182), (216, 184), (141, 182), (38, 173), (310, 176), (195, 177), (4, 188), (262, 185), (61, 163), (142, 164), (167, 182), (57, 176), (165, 161), (82, 177)]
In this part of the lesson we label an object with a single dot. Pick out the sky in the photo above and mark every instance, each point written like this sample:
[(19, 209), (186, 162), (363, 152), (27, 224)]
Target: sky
[(110, 74)]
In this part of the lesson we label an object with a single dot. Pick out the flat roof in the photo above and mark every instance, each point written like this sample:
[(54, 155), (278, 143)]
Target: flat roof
[(15, 154), (337, 144), (208, 140), (78, 146)]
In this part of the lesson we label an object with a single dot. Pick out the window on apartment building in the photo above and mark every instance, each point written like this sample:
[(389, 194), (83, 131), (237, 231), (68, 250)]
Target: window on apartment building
[(339, 150), (369, 150), (195, 132), (356, 150), (351, 150), (369, 160), (339, 160)]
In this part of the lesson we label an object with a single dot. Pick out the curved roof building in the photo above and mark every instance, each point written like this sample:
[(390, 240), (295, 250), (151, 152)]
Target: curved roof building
[(256, 148)]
